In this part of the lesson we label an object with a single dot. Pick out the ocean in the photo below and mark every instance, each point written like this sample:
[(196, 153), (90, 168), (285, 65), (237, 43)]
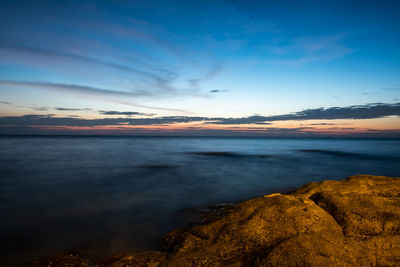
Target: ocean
[(102, 195)]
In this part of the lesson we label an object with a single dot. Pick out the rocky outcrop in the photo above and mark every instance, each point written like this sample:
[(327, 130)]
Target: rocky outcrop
[(354, 222)]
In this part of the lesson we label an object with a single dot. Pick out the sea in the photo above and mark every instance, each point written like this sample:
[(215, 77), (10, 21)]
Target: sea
[(101, 195)]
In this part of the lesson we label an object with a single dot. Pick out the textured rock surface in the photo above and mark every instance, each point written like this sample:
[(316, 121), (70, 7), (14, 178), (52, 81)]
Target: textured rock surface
[(70, 259), (354, 222)]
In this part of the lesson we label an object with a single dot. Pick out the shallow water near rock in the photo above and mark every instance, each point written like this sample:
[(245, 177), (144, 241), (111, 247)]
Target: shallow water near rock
[(111, 194)]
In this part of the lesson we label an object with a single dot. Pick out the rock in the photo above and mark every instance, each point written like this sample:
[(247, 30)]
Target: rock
[(308, 250), (375, 251), (138, 259), (68, 259), (360, 214), (354, 222), (368, 184), (251, 229), (197, 216)]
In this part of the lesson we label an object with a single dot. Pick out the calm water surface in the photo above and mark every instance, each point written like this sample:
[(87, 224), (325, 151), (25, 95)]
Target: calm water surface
[(112, 194)]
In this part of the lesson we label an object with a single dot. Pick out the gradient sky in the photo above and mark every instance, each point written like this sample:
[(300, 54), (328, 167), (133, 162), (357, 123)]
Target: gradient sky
[(267, 68)]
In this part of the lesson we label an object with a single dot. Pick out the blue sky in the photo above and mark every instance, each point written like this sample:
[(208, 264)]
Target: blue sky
[(214, 59)]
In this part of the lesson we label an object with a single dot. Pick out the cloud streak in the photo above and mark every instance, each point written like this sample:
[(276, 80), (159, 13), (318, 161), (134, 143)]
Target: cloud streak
[(218, 91), (154, 82), (50, 120), (73, 89), (124, 113), (82, 89), (72, 109), (308, 49), (58, 55)]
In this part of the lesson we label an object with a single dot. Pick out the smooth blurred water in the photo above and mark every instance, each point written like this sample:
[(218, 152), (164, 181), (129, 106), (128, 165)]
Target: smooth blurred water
[(112, 194)]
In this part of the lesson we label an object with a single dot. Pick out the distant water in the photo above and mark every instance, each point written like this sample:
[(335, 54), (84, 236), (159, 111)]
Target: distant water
[(113, 194)]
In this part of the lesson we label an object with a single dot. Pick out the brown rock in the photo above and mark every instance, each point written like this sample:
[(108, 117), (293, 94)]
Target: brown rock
[(138, 259), (252, 228), (369, 184), (361, 214), (374, 251), (308, 250), (63, 260)]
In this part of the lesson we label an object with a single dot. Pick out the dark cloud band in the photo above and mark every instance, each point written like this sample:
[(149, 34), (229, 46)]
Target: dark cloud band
[(369, 111)]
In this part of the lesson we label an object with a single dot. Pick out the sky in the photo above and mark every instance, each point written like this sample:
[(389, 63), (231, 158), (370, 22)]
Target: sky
[(215, 68)]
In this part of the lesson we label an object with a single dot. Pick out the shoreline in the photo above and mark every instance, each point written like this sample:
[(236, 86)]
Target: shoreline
[(352, 222), (322, 137)]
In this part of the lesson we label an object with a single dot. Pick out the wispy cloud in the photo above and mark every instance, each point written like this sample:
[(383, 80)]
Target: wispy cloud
[(307, 49), (28, 53), (392, 89), (73, 89), (218, 91), (59, 60), (124, 113), (146, 80), (70, 88), (39, 108), (323, 123), (211, 73), (72, 109)]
